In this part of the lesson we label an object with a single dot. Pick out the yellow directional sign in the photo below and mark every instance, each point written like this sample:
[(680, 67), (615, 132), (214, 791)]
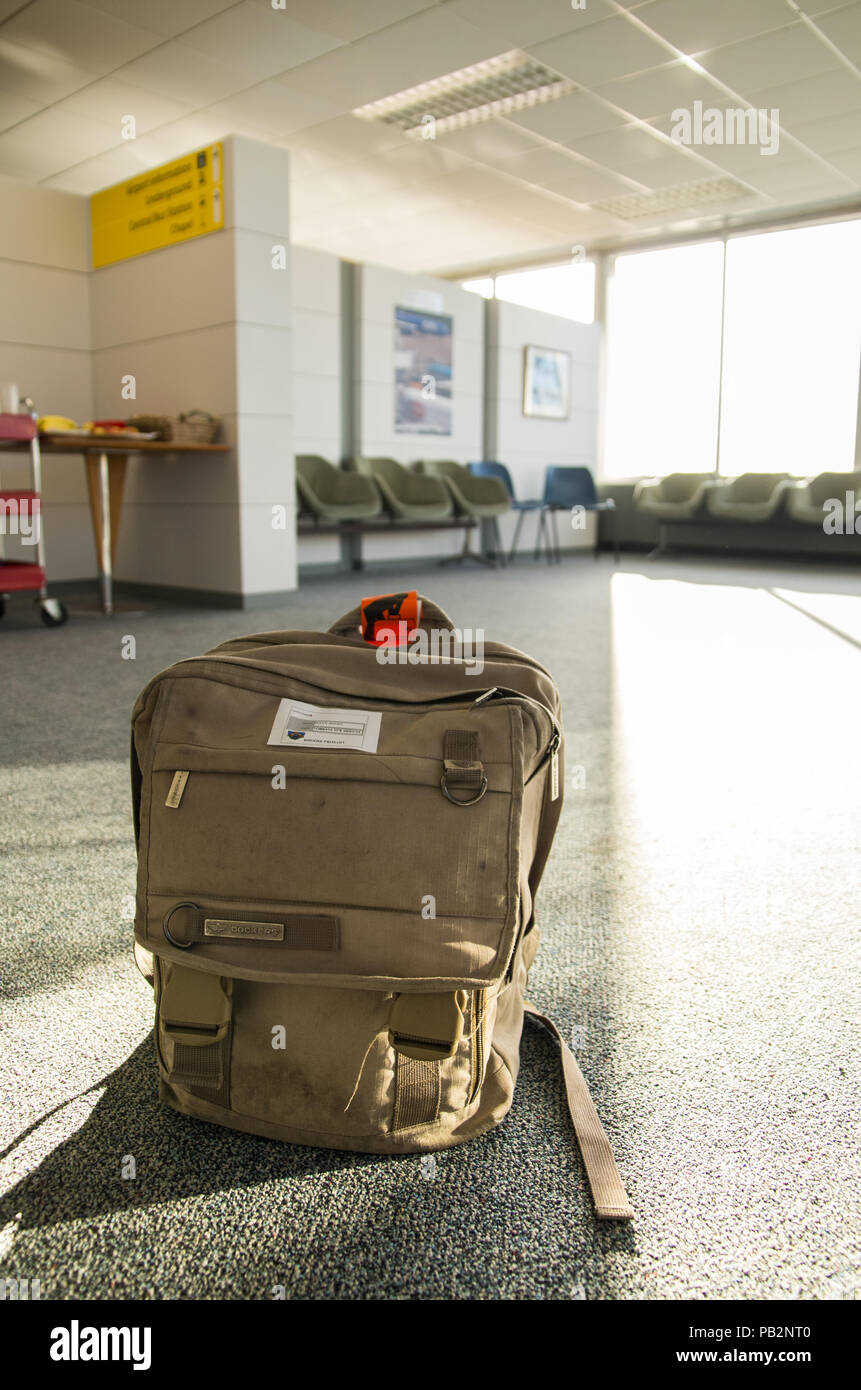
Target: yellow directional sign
[(177, 201)]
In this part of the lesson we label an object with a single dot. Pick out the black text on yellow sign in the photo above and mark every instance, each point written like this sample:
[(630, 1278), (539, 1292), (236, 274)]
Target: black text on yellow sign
[(161, 207)]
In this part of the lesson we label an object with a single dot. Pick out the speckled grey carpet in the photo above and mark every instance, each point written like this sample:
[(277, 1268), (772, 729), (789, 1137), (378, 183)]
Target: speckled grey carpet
[(700, 920)]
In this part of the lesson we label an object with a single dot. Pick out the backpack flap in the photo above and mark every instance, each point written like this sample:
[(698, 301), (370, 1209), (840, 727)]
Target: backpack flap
[(400, 865)]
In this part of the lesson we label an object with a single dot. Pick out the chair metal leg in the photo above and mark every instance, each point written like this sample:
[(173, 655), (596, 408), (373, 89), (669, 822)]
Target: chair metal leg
[(540, 534), (512, 551), (467, 552), (661, 548), (557, 553), (498, 552)]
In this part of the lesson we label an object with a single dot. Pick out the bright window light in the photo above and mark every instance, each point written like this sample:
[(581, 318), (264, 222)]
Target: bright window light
[(663, 367), (792, 340), (565, 290), (483, 286)]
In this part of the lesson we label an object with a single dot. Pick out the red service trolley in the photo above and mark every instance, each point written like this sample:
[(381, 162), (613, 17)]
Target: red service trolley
[(21, 515)]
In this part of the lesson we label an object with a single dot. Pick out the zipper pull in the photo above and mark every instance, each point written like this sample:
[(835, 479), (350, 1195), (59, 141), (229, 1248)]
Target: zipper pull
[(554, 769), (177, 787), (488, 695)]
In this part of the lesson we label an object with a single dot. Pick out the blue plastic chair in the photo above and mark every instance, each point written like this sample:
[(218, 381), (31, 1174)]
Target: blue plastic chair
[(488, 469), (564, 489)]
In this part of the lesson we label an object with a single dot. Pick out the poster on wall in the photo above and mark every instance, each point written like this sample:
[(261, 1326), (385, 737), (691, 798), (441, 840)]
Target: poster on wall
[(422, 372), (546, 383)]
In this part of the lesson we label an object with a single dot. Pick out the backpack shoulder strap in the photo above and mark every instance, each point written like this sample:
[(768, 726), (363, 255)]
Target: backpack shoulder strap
[(610, 1197)]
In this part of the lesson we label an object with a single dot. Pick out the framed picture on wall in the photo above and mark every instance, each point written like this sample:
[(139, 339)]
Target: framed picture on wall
[(546, 383), (423, 379)]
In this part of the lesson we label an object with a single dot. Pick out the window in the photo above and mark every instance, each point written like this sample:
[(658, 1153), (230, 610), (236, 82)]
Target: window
[(483, 286), (792, 340), (663, 366), (788, 378), (565, 290)]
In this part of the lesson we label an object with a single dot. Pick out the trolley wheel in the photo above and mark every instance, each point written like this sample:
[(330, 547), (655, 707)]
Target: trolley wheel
[(53, 612)]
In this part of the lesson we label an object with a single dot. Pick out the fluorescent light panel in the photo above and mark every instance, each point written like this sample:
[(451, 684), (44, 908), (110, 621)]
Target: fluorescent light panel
[(681, 197), (510, 82)]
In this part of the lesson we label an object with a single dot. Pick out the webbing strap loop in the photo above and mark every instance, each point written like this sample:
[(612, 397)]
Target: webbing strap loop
[(610, 1197), (462, 767)]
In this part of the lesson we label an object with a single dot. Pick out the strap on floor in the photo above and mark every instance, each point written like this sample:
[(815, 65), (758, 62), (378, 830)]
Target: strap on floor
[(610, 1197)]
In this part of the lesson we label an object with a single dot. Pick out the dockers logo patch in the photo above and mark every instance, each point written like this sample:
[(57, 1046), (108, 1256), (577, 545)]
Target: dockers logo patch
[(254, 931), (294, 733)]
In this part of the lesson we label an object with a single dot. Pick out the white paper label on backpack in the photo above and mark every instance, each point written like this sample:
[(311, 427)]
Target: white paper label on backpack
[(309, 726)]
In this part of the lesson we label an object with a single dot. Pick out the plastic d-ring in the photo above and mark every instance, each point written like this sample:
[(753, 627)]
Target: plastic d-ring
[(181, 945)]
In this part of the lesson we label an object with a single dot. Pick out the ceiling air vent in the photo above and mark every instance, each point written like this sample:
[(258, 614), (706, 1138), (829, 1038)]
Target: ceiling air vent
[(682, 197), (495, 87)]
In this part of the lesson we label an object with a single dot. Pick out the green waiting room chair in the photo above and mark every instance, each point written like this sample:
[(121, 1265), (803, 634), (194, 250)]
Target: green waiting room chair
[(330, 494), (485, 499)]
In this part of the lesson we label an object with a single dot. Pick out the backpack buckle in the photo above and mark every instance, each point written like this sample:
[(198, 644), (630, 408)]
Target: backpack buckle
[(194, 1006), (427, 1027)]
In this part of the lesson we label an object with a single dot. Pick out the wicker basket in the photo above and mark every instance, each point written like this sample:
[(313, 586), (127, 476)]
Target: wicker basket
[(193, 427), (159, 425), (196, 427)]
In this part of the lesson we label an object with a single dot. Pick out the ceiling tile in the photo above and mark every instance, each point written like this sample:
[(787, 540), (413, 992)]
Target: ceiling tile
[(14, 109), (661, 90), (695, 25), (814, 8), (110, 100), (421, 159), (783, 56), (348, 22), (798, 179), (471, 182), (566, 119), (24, 72), (78, 34), (732, 157), (491, 142), (186, 75), (831, 135), (431, 44), (639, 155), (164, 17), (342, 140), (584, 225), (612, 48), (106, 169), (51, 141), (554, 215), (524, 24), (272, 109), (265, 40), (843, 27), (848, 162), (178, 137), (812, 98), (591, 184), (546, 167)]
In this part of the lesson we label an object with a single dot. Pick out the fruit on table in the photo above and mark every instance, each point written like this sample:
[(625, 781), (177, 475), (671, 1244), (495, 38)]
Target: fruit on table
[(47, 423), (109, 427)]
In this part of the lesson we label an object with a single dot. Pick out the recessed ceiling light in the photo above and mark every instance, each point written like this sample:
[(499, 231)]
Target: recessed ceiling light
[(631, 207), (510, 82)]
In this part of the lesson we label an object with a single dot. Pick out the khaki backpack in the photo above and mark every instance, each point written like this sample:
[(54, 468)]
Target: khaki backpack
[(339, 847)]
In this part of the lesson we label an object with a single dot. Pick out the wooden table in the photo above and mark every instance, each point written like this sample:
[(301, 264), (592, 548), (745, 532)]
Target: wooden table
[(106, 458)]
